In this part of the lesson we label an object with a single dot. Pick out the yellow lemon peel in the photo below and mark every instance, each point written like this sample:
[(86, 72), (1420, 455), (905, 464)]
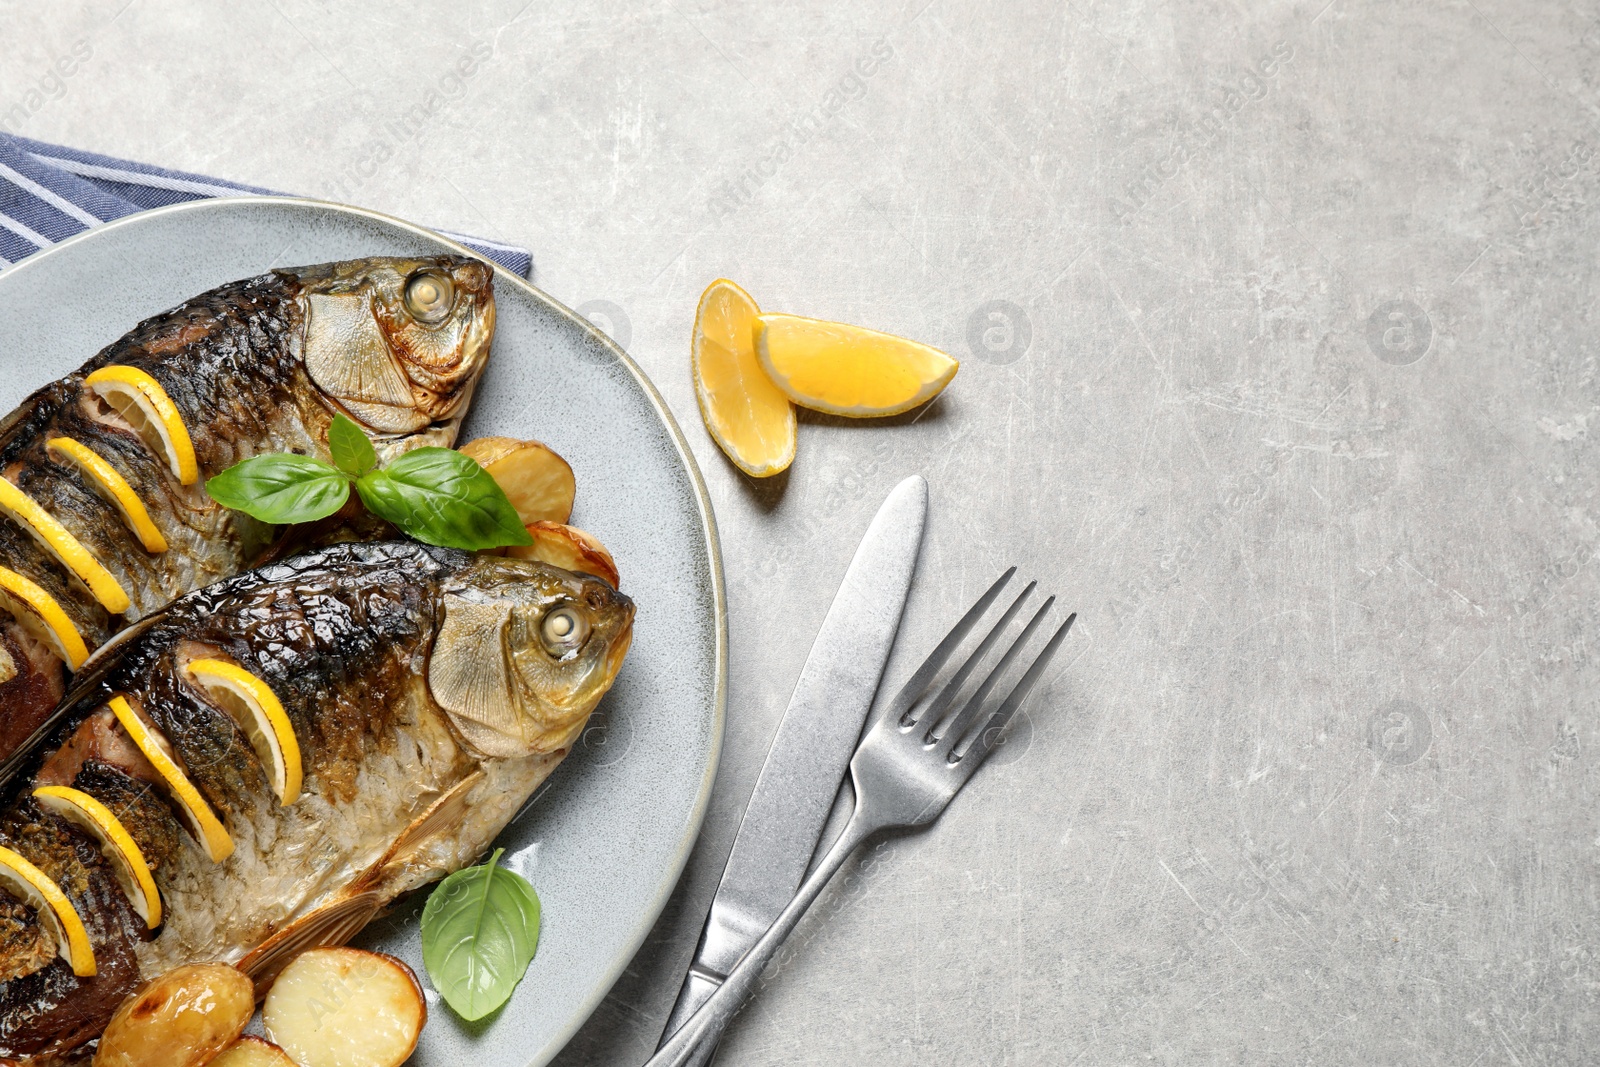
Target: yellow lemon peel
[(39, 612), (141, 400), (127, 861), (259, 713), (202, 821), (748, 416), (113, 487), (849, 370), (66, 548), (34, 888)]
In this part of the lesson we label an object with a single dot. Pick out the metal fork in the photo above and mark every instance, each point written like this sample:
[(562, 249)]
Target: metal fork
[(905, 771)]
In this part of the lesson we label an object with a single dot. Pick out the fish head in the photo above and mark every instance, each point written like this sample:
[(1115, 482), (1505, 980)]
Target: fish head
[(523, 652), (398, 344)]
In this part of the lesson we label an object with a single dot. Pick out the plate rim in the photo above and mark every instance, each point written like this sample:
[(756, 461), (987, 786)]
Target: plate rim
[(708, 528)]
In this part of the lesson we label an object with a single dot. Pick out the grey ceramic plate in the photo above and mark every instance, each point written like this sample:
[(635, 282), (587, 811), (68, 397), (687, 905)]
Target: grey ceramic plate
[(605, 839)]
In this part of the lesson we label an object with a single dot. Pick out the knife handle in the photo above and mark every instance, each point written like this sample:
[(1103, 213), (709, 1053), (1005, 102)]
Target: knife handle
[(707, 1048), (697, 989), (696, 1040)]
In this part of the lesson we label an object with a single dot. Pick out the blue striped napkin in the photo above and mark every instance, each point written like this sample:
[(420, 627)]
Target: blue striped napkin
[(48, 193)]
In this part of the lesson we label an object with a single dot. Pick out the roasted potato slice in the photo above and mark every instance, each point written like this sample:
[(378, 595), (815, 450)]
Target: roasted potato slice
[(569, 548), (253, 1052), (485, 450), (182, 1019), (538, 482), (343, 1007)]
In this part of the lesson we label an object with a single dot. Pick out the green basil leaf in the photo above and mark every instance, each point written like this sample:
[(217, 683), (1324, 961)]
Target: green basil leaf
[(352, 449), (480, 929), (281, 488), (444, 498)]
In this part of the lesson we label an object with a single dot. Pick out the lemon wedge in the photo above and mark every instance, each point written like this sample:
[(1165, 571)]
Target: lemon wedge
[(66, 548), (114, 487), (127, 861), (38, 611), (259, 713), (139, 398), (747, 416), (192, 807), (34, 888), (847, 370)]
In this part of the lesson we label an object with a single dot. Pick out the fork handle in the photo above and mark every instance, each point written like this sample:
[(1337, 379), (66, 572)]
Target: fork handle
[(697, 1038)]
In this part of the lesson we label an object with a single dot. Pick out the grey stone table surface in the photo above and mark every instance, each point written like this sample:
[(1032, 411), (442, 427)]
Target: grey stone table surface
[(1275, 320)]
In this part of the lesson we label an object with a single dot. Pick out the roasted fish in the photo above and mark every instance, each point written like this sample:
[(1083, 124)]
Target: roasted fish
[(103, 514), (427, 691)]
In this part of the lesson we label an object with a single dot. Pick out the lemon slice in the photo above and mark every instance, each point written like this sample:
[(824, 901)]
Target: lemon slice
[(259, 713), (196, 813), (127, 862), (140, 399), (34, 888), (114, 487), (747, 416), (38, 611), (66, 548), (847, 370)]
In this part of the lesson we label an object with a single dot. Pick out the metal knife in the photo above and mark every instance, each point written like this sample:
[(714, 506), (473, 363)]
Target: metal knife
[(812, 748)]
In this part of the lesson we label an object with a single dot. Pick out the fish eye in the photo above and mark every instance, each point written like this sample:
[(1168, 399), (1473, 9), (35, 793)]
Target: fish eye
[(563, 630), (429, 297)]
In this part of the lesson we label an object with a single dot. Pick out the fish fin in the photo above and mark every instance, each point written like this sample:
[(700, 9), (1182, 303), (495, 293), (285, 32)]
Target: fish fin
[(331, 924), (386, 418), (471, 680), (348, 357), (442, 819), (84, 684)]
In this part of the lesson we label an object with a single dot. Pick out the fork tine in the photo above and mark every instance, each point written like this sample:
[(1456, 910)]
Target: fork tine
[(918, 683), (940, 704), (984, 743), (958, 726)]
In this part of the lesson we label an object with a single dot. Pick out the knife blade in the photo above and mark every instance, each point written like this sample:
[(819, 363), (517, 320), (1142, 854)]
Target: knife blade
[(816, 737)]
